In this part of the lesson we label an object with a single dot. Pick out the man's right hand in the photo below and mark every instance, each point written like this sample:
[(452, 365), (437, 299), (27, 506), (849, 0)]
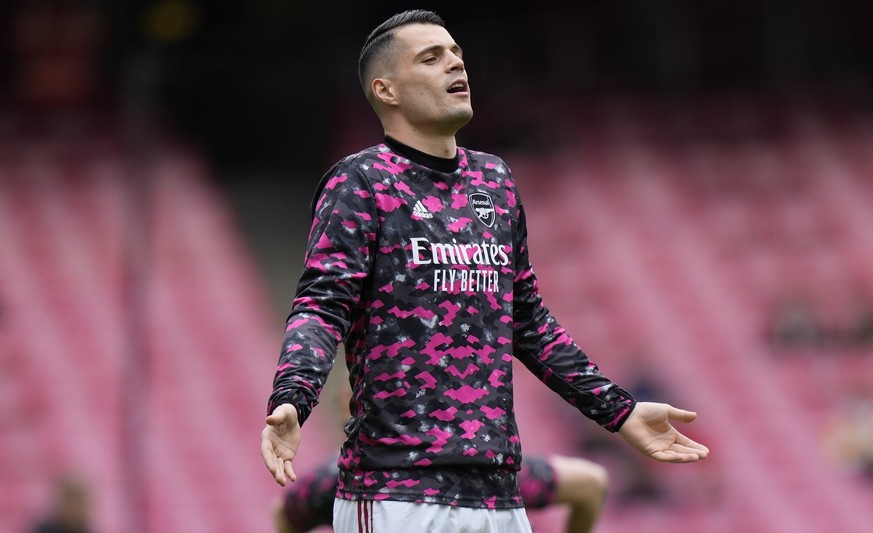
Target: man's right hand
[(279, 442)]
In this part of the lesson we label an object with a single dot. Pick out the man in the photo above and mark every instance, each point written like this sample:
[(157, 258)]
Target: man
[(418, 260), (577, 483)]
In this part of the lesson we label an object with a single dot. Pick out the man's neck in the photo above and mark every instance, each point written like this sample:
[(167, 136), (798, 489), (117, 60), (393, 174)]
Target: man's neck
[(438, 146), (440, 164)]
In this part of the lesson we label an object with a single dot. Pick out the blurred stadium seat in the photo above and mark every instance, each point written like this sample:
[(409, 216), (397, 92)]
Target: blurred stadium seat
[(683, 227), (180, 342), (662, 247)]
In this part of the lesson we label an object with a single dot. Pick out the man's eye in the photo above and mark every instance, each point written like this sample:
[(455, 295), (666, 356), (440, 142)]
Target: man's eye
[(430, 59)]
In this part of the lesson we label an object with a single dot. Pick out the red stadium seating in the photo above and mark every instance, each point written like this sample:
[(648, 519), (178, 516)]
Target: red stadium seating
[(690, 239), (137, 346)]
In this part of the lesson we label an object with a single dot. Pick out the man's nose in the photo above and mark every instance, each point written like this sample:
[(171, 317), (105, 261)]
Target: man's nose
[(457, 63)]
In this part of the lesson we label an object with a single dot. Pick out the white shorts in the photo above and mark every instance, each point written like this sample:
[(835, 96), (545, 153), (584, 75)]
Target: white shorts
[(367, 516)]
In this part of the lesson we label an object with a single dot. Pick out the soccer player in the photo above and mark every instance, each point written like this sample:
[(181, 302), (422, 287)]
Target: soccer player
[(557, 480), (418, 261)]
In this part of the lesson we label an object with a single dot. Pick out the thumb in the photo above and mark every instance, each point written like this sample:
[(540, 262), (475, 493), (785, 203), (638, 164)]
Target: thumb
[(674, 413), (277, 419), (281, 415)]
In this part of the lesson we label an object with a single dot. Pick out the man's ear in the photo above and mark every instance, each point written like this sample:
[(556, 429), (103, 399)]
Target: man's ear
[(383, 91)]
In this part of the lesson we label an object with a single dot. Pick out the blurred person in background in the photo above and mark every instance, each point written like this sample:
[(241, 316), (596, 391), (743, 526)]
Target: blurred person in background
[(71, 509), (848, 437), (557, 480), (418, 260), (576, 483)]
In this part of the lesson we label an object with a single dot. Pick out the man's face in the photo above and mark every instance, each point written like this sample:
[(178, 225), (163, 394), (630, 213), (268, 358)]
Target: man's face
[(430, 79)]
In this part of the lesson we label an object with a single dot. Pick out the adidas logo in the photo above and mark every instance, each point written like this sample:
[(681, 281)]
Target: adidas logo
[(421, 211)]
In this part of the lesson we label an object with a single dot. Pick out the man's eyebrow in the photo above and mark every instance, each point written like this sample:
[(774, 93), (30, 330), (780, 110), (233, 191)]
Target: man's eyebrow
[(437, 47)]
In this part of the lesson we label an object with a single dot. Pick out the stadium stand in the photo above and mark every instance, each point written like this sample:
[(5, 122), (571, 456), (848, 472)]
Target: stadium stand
[(137, 346), (137, 354), (684, 233)]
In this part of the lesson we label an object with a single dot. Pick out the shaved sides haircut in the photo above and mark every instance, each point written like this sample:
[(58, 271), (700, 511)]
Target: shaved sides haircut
[(381, 40)]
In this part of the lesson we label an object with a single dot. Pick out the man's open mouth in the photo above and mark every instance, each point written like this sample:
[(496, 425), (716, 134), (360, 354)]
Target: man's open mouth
[(459, 86)]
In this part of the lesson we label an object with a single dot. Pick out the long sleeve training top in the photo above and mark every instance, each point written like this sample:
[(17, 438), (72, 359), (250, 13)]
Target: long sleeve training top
[(425, 276)]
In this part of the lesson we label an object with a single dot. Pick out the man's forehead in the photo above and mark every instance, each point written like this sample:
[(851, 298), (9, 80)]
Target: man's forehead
[(417, 37)]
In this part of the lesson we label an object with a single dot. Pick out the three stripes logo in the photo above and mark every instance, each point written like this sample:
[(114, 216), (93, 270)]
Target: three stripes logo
[(421, 211)]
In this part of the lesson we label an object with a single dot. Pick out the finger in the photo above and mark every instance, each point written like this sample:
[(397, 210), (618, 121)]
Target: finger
[(698, 448), (268, 456), (279, 473), (670, 456), (274, 420), (674, 413), (272, 462), (701, 454), (289, 471)]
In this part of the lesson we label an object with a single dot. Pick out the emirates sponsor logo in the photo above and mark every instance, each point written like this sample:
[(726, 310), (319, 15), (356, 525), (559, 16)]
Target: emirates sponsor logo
[(453, 277), (425, 252)]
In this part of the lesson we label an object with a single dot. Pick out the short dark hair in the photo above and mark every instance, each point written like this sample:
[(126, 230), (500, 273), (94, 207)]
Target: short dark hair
[(382, 36)]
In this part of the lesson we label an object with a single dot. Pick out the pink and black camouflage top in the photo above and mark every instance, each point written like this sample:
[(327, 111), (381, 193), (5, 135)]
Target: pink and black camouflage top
[(425, 276)]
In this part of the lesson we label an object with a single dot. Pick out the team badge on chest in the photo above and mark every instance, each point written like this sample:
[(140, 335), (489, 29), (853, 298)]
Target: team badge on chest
[(482, 205)]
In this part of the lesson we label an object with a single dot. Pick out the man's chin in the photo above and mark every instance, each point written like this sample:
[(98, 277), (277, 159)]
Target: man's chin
[(450, 122), (462, 117)]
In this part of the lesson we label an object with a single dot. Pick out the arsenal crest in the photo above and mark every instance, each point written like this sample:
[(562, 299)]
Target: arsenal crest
[(482, 205)]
